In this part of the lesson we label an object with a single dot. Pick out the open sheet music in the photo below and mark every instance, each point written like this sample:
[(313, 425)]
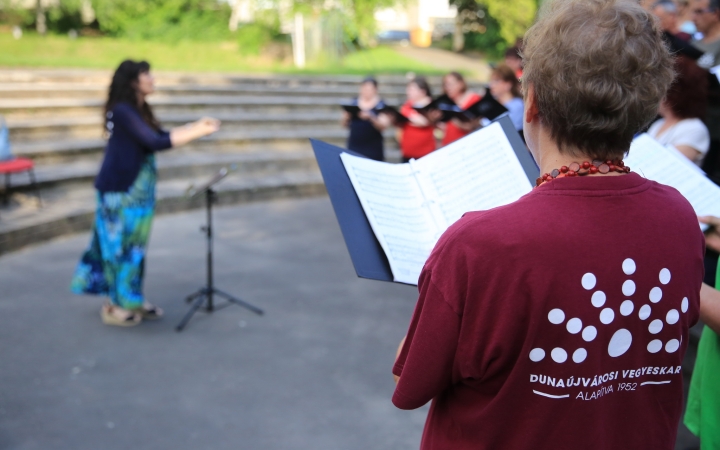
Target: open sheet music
[(667, 166), (410, 205)]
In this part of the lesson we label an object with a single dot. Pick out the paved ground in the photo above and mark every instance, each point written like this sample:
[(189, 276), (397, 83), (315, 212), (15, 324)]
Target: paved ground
[(313, 373), (448, 61)]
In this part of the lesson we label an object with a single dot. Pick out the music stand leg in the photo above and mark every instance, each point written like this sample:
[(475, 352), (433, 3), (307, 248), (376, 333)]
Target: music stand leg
[(190, 298), (193, 309), (239, 302)]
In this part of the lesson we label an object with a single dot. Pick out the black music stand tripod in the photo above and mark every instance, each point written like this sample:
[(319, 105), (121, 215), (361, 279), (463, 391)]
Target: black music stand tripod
[(204, 296)]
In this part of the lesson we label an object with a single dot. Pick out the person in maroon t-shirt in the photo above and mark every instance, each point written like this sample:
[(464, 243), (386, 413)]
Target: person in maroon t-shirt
[(560, 321)]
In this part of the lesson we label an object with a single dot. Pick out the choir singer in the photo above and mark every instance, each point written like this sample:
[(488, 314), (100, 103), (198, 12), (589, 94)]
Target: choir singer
[(560, 321)]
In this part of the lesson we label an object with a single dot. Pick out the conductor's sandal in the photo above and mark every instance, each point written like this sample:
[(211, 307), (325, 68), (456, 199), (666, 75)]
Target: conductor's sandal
[(116, 316), (149, 312)]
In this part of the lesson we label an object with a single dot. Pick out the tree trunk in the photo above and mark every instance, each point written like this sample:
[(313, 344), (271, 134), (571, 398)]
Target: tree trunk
[(40, 21), (458, 43)]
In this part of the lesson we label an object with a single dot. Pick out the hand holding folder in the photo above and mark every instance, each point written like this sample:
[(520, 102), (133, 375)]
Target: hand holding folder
[(396, 117)]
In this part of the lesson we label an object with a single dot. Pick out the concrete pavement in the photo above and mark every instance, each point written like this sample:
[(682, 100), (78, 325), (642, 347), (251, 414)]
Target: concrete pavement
[(313, 373)]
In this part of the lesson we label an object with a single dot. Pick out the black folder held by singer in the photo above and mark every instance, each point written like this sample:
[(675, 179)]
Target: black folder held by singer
[(391, 215)]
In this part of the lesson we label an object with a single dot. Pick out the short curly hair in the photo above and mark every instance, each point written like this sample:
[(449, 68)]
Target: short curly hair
[(599, 70)]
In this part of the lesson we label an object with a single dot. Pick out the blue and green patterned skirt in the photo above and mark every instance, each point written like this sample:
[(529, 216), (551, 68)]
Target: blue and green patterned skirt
[(114, 264)]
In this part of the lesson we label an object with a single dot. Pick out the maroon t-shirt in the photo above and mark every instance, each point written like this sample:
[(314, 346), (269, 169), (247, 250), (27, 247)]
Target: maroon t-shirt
[(557, 322)]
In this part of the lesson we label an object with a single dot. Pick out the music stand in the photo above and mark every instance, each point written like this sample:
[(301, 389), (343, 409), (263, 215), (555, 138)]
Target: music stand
[(204, 296)]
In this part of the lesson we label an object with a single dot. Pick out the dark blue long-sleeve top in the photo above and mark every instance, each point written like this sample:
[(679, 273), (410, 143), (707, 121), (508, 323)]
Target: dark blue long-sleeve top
[(131, 140)]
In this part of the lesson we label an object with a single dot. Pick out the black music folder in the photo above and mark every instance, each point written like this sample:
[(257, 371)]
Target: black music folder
[(366, 251)]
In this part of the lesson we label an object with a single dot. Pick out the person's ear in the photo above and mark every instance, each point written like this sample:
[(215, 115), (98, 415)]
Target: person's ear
[(531, 109)]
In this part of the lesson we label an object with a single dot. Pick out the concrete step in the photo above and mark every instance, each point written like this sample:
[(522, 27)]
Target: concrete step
[(99, 91), (181, 163), (48, 76), (19, 109), (231, 140), (91, 127), (71, 209)]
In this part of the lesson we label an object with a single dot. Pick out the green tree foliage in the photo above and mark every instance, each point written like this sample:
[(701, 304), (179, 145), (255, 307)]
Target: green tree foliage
[(359, 15), (11, 14), (65, 16), (514, 17), (493, 25), (168, 20), (489, 41), (363, 17)]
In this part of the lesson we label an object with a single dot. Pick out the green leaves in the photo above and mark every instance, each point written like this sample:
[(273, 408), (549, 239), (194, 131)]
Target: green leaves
[(491, 26), (514, 17), (166, 20)]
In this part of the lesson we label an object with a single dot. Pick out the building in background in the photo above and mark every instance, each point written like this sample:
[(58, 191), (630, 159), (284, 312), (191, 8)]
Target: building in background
[(420, 18)]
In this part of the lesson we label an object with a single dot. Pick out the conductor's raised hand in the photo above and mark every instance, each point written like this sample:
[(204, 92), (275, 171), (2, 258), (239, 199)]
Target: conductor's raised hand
[(208, 125), (193, 130)]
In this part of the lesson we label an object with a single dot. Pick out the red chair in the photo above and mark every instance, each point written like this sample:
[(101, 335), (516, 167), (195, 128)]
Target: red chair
[(18, 165)]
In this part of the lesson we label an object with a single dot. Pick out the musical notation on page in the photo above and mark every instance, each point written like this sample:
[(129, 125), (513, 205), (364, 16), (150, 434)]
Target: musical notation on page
[(397, 212), (410, 205), (477, 173)]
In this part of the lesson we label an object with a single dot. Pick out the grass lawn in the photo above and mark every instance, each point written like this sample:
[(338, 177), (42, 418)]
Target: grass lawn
[(106, 53)]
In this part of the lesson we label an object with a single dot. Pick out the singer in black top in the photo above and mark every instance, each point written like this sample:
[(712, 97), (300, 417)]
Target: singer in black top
[(113, 265), (366, 126)]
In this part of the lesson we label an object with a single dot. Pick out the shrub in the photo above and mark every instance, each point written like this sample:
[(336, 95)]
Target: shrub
[(165, 20), (251, 38)]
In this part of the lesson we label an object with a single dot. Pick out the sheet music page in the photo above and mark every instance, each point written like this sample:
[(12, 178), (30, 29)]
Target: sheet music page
[(397, 212), (654, 161), (477, 172)]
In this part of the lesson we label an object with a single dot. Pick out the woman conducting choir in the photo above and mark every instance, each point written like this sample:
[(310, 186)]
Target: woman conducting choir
[(418, 134), (456, 89), (113, 265), (367, 126), (505, 87)]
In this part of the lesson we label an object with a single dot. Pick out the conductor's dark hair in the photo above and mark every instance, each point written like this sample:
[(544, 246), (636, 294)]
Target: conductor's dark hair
[(714, 5), (124, 89), (422, 83)]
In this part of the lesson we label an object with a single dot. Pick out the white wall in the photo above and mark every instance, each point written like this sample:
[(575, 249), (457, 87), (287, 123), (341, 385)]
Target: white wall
[(417, 14)]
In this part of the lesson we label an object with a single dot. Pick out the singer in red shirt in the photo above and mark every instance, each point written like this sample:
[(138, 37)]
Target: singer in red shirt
[(418, 138)]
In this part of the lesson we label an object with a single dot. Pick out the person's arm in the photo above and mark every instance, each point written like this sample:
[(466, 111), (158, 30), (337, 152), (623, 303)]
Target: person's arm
[(425, 364), (689, 152), (418, 120), (692, 139), (710, 307), (193, 130), (132, 123), (345, 119), (712, 235), (397, 355), (379, 121)]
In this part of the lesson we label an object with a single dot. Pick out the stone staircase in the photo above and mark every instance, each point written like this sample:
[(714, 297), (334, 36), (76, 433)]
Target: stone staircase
[(55, 118)]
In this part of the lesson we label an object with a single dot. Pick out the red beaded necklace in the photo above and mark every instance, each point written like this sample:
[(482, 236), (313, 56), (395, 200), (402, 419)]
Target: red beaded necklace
[(586, 168)]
